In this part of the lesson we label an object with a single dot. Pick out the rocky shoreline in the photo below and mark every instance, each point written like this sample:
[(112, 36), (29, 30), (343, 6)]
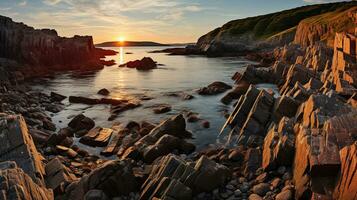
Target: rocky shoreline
[(299, 145)]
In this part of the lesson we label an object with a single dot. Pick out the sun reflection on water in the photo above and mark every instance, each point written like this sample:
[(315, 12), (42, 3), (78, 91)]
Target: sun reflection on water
[(121, 55)]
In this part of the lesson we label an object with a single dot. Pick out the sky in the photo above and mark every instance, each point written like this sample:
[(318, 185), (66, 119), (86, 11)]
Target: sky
[(165, 21)]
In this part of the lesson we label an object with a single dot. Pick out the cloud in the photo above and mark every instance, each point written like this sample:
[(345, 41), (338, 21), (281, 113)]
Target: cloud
[(22, 3)]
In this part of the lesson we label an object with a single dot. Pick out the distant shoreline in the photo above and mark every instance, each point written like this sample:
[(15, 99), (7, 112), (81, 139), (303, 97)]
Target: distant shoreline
[(138, 44)]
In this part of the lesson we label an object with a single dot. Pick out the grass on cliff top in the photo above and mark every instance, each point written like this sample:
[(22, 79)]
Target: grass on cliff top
[(265, 26)]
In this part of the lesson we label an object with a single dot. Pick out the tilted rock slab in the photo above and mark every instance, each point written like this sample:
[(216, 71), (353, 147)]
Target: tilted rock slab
[(16, 184), (174, 178), (16, 144)]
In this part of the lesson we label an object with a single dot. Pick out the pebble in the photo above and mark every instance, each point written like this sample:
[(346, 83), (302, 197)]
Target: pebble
[(230, 187), (281, 170), (244, 187), (237, 193)]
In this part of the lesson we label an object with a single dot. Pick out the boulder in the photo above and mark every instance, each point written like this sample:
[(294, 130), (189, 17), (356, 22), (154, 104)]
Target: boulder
[(114, 178), (81, 122), (58, 175), (95, 195), (17, 145), (285, 106), (235, 93), (16, 184), (261, 189), (214, 88)]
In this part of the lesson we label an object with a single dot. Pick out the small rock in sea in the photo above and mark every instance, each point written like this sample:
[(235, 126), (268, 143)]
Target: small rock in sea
[(160, 109), (104, 92), (205, 124)]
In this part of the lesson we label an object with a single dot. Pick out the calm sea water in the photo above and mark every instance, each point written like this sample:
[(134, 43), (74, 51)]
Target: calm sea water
[(178, 73)]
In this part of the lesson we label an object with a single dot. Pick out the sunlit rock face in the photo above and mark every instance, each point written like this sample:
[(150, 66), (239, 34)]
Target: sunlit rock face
[(43, 47)]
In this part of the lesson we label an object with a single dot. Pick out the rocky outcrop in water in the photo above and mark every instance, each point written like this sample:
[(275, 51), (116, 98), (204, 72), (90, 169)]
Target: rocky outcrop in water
[(43, 50)]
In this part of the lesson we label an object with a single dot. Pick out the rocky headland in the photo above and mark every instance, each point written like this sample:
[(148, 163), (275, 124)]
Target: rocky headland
[(300, 144)]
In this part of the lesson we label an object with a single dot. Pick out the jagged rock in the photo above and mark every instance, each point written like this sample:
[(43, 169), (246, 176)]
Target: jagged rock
[(165, 145), (318, 108), (297, 73), (57, 97), (16, 184), (39, 137), (115, 110), (97, 137), (163, 139), (104, 92), (172, 177), (17, 145), (279, 145), (80, 123), (235, 93), (58, 175), (255, 75), (114, 178), (115, 142), (214, 88), (346, 187), (45, 48), (253, 130), (286, 106)]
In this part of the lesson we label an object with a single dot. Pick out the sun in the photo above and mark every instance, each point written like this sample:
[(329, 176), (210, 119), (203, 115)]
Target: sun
[(121, 39)]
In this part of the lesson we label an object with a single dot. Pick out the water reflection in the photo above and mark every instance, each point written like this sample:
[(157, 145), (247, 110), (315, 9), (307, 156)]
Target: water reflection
[(121, 55)]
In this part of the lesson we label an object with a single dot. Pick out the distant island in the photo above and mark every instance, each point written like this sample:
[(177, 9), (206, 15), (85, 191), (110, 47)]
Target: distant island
[(136, 44)]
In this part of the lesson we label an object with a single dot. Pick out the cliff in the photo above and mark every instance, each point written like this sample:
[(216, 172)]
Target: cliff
[(38, 48), (260, 32)]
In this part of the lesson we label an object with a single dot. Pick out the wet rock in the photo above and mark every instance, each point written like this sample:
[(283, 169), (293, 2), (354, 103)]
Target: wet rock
[(146, 63), (58, 175), (17, 145), (16, 184), (81, 122), (48, 125), (104, 92), (83, 100), (114, 178), (175, 126), (256, 75), (163, 108), (214, 88), (65, 151), (97, 137), (115, 110), (57, 97)]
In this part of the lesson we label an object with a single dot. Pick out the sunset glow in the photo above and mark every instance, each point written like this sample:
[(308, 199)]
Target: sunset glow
[(121, 39)]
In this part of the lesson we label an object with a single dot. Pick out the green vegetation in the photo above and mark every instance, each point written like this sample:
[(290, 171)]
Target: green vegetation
[(265, 26)]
